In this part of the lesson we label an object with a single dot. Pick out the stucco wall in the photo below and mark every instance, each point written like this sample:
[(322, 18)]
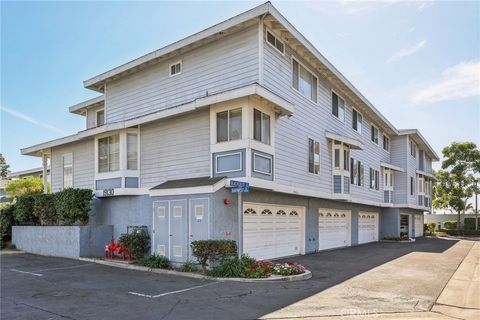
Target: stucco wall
[(62, 241)]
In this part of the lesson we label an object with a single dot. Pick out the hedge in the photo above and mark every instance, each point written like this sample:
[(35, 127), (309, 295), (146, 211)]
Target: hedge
[(23, 210), (469, 223), (44, 209), (210, 251), (7, 220), (450, 224), (463, 232), (137, 242), (73, 205)]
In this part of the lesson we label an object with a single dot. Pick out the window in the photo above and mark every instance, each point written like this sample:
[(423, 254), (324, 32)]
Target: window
[(199, 212), (412, 186), (346, 156), (388, 179), (337, 159), (109, 153), (420, 184), (374, 179), (304, 81), (261, 126), (313, 156), (357, 121), (386, 143), (132, 151), (175, 68), (177, 212), (338, 107), (67, 170), (100, 118), (229, 125), (356, 172), (262, 163), (228, 162), (413, 149), (277, 44), (374, 134)]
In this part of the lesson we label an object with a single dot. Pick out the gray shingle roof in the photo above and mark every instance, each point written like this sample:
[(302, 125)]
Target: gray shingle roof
[(188, 183)]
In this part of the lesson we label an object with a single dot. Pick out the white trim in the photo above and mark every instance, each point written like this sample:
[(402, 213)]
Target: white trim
[(384, 135), (424, 173), (226, 155), (346, 140), (270, 158), (298, 90), (94, 102), (170, 74), (63, 170), (378, 134), (191, 190), (361, 115), (344, 106), (96, 117), (391, 166), (277, 38)]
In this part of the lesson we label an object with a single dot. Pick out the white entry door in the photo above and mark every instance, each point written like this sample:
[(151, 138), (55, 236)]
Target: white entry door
[(333, 229), (418, 225), (367, 227), (272, 231)]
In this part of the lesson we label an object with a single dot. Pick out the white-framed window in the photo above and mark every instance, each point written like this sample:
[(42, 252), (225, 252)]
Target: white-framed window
[(341, 157), (262, 164), (67, 161), (421, 184), (388, 175), (374, 134), (413, 149), (229, 125), (386, 143), (356, 172), (304, 81), (374, 179), (261, 126), (199, 211), (109, 153), (233, 162), (275, 42), (161, 212), (177, 211), (100, 117), (357, 121), (313, 156), (132, 151), (346, 161), (338, 107), (175, 68)]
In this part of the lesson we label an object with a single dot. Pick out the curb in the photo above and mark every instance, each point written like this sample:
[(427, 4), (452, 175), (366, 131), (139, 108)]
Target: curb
[(274, 278)]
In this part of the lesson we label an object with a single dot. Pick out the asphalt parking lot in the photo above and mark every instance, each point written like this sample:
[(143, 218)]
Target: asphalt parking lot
[(38, 287)]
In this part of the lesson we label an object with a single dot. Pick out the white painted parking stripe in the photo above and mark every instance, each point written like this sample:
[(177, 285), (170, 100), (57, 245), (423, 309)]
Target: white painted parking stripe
[(171, 292), (63, 268), (32, 273)]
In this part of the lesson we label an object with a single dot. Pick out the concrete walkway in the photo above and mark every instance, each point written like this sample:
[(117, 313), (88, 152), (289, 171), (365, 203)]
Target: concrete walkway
[(420, 285)]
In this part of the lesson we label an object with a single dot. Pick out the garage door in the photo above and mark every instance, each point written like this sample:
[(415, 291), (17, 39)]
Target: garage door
[(272, 231), (418, 226), (367, 227), (333, 229)]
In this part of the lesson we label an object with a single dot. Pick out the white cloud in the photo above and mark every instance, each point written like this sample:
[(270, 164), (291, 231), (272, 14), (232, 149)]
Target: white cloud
[(407, 51), (459, 81), (360, 7), (27, 118)]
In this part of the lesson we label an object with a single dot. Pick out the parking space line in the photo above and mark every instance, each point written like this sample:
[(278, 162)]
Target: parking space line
[(171, 292), (63, 268), (26, 272)]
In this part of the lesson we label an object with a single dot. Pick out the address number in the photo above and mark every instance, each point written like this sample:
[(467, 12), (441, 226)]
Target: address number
[(108, 192)]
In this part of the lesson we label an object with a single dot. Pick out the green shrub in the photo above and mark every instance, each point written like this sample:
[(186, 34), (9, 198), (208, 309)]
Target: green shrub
[(450, 224), (137, 242), (155, 262), (429, 227), (232, 267), (187, 267), (469, 223), (73, 205), (7, 220), (463, 232), (211, 251), (22, 187), (44, 209), (23, 210)]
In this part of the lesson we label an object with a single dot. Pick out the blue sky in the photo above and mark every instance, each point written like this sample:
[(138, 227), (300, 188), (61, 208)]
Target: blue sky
[(417, 62)]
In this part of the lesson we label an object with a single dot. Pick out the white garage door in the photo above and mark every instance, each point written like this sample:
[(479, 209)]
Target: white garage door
[(272, 231), (367, 227), (333, 229), (418, 226)]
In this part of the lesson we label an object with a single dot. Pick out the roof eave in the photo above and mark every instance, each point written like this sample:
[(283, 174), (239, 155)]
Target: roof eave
[(80, 108)]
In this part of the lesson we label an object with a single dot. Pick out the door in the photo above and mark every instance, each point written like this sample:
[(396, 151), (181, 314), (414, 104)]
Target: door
[(405, 225), (333, 229), (198, 221), (178, 231), (161, 238), (367, 227), (273, 231), (418, 225)]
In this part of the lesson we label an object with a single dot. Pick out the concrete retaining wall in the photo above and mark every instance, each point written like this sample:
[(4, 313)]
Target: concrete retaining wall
[(62, 241)]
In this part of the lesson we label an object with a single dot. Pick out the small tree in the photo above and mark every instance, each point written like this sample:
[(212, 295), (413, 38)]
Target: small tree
[(73, 205), (456, 179), (23, 187), (4, 167), (44, 209)]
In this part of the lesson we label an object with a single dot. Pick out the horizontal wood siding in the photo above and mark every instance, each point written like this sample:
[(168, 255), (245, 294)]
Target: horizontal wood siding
[(412, 166), (399, 154), (83, 164), (311, 120), (175, 148), (226, 63)]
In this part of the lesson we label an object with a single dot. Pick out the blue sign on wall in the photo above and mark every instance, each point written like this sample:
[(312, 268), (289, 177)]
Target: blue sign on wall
[(239, 186)]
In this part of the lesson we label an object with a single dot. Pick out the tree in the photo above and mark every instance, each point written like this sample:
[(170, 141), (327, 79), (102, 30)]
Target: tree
[(22, 187), (456, 181), (4, 167)]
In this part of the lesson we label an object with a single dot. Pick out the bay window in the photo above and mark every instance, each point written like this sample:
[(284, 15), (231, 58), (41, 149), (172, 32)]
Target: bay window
[(109, 154), (304, 81), (229, 125), (261, 126)]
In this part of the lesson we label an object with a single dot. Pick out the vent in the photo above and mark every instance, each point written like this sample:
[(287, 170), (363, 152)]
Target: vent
[(177, 251), (199, 212), (161, 250), (177, 212), (161, 212)]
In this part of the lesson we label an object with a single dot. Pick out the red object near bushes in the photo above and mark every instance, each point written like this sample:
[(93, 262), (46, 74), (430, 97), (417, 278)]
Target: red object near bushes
[(115, 247)]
